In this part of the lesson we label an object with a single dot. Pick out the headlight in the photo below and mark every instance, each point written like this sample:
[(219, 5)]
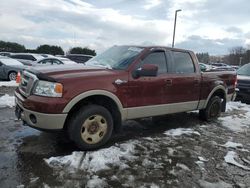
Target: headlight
[(48, 89)]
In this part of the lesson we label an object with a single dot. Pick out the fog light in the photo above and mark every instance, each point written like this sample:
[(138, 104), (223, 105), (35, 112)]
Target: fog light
[(33, 118)]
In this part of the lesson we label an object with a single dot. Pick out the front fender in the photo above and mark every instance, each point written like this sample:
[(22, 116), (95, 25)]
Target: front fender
[(84, 95)]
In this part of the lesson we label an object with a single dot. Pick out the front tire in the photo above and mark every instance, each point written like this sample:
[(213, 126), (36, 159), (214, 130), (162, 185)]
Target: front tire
[(213, 109), (12, 76), (91, 127)]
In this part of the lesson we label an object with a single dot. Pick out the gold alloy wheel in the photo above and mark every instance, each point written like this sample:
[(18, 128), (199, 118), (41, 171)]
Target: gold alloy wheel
[(94, 129)]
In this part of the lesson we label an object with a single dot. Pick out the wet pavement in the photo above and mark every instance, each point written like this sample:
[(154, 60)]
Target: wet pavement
[(150, 155)]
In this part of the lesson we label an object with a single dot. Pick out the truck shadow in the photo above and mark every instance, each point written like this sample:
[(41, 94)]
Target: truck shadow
[(145, 127)]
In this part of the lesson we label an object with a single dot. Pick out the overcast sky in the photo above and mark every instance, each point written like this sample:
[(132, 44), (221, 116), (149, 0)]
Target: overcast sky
[(212, 26)]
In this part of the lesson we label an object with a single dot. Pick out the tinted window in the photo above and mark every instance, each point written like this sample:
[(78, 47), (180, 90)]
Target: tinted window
[(45, 62), (158, 59), (57, 62), (29, 57), (183, 63)]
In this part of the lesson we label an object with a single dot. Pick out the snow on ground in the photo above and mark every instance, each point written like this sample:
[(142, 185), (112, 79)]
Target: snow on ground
[(231, 157), (240, 122), (219, 184), (235, 123), (237, 106), (9, 84), (7, 101), (96, 182), (234, 145), (160, 152), (96, 160), (181, 131)]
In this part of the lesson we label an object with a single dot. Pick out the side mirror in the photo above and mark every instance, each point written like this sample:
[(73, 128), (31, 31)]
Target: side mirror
[(1, 64), (148, 70)]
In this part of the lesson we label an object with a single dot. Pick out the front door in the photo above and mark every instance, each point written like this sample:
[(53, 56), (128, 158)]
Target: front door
[(146, 93)]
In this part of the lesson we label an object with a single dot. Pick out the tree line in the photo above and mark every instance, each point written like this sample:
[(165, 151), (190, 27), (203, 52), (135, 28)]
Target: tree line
[(236, 56), (43, 49)]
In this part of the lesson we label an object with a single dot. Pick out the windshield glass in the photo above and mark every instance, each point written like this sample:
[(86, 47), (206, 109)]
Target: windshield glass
[(244, 70), (10, 62), (116, 57)]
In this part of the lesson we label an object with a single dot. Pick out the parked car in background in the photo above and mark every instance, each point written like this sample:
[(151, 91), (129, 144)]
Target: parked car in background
[(55, 61), (235, 67), (8, 54), (79, 58), (9, 68), (47, 55), (221, 67), (243, 84), (205, 67), (26, 58)]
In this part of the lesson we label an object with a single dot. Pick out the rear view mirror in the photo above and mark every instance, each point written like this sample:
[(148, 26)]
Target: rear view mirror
[(147, 70)]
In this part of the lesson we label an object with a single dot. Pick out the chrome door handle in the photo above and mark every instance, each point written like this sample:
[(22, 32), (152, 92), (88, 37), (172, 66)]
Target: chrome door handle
[(119, 82)]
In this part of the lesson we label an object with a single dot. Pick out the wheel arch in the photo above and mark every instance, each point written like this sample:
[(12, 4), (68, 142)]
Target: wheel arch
[(99, 97), (219, 91)]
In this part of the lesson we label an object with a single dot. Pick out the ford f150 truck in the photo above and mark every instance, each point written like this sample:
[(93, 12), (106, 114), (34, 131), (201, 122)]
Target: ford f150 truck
[(125, 82)]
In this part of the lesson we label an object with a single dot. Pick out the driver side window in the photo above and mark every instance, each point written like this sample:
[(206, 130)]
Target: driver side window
[(158, 59)]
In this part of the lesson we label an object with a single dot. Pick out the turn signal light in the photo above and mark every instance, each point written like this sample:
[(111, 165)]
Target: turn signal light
[(58, 88)]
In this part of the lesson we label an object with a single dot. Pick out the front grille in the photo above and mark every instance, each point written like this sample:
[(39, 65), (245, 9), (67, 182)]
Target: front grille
[(27, 82)]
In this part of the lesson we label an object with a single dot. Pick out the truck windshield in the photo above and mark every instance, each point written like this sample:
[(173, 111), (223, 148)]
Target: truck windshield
[(116, 57), (244, 70)]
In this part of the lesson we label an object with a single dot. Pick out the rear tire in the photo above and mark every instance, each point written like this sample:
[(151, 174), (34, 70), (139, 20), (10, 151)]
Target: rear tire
[(91, 127), (12, 76), (212, 111)]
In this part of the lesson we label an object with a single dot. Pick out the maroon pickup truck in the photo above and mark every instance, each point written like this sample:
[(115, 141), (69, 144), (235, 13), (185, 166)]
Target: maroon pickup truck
[(90, 101)]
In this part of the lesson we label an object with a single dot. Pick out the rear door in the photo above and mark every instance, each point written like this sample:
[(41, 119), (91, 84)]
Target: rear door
[(183, 82)]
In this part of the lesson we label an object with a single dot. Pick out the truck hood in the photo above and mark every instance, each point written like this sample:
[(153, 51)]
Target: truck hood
[(243, 77), (60, 72)]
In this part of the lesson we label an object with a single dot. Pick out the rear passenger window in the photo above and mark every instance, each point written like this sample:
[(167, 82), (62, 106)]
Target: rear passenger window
[(183, 63), (158, 59)]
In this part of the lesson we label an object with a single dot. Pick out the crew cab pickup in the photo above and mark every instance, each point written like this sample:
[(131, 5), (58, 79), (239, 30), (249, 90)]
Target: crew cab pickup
[(90, 101)]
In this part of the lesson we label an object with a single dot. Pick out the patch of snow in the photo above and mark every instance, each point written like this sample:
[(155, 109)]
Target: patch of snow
[(202, 159), (237, 106), (20, 186), (182, 166), (236, 124), (7, 101), (96, 160), (96, 182), (33, 180), (219, 184), (181, 131), (230, 159), (246, 161), (9, 84), (234, 145), (154, 186), (171, 151), (199, 162)]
